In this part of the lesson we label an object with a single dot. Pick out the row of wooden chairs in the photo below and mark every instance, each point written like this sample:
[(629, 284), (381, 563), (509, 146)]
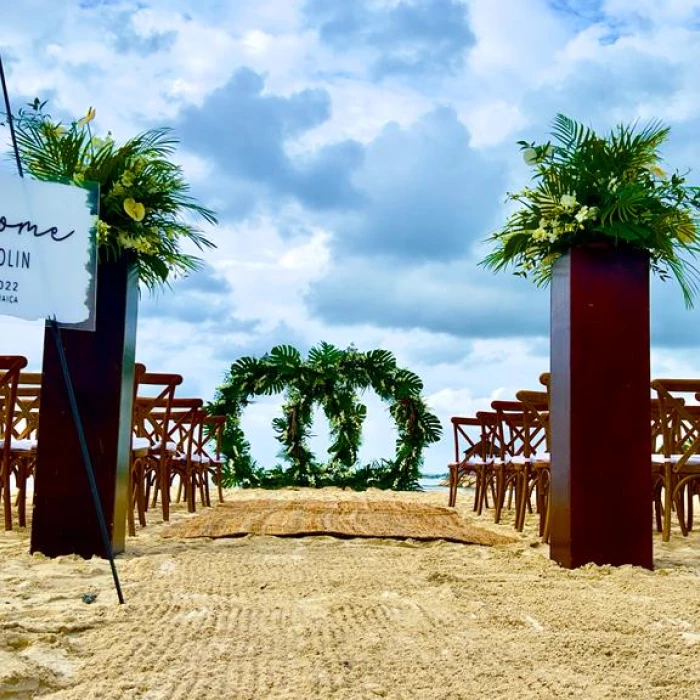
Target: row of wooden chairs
[(505, 452), (19, 418), (172, 438)]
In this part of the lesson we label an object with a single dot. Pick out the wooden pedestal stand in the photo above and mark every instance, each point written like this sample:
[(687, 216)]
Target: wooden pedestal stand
[(102, 368), (601, 504)]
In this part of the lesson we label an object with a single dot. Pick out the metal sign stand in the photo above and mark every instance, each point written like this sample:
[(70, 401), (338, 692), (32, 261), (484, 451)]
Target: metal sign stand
[(56, 332)]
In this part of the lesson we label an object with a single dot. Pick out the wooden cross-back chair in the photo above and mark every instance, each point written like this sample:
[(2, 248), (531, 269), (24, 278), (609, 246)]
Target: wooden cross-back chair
[(180, 427), (207, 454), (10, 368), (25, 436), (150, 449), (679, 470), (489, 473), (536, 454), (510, 475), (468, 453)]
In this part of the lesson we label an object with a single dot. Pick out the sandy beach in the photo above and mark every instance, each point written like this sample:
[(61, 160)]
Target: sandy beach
[(320, 617)]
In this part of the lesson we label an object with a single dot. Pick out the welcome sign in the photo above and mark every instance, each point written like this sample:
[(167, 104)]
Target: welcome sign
[(48, 250)]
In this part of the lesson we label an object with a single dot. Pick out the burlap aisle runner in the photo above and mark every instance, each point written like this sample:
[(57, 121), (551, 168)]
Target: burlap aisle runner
[(388, 519)]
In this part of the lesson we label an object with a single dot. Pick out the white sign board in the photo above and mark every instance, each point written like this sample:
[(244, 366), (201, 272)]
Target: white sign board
[(48, 250)]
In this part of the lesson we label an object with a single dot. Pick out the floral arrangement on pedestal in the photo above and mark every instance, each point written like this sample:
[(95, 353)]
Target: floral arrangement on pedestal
[(144, 197), (601, 189)]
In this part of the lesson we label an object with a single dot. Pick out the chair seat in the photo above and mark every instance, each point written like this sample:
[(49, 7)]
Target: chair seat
[(21, 445), (200, 459), (140, 443), (674, 459), (477, 462), (169, 446), (532, 459)]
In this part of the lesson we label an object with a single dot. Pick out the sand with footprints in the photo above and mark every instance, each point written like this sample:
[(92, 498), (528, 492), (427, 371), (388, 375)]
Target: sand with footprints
[(320, 617)]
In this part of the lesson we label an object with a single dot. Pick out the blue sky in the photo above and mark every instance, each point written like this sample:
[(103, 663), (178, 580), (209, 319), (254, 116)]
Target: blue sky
[(358, 153)]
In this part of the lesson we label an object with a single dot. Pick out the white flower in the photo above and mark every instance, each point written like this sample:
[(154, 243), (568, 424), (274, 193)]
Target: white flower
[(568, 201), (585, 213), (539, 234)]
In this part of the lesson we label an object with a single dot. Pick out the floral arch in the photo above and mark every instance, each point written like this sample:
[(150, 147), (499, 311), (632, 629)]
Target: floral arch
[(334, 380)]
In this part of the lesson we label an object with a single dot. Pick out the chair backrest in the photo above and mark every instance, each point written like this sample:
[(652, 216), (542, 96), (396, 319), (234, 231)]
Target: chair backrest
[(466, 445), (25, 422), (490, 434), (680, 421), (210, 435), (151, 414), (658, 427), (182, 424), (10, 369), (536, 432), (512, 426)]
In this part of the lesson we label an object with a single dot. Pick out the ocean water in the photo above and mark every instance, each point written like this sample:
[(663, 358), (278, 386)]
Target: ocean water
[(428, 483)]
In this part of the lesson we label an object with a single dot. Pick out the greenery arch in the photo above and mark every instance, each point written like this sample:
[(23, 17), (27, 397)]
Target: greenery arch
[(333, 379)]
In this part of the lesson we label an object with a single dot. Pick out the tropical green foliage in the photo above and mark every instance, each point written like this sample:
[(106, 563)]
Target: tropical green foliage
[(144, 197), (591, 189), (332, 379)]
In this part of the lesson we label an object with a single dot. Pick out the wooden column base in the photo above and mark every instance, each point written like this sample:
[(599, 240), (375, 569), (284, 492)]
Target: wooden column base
[(601, 493), (101, 364)]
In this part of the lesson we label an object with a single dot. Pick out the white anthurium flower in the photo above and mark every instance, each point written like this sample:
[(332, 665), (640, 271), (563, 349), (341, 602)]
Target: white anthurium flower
[(530, 156), (568, 201)]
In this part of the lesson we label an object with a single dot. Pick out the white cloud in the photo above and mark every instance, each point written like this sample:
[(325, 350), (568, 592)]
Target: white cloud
[(638, 59)]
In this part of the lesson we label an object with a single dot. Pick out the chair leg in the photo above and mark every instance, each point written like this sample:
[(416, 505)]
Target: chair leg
[(141, 491), (477, 490), (22, 494), (658, 508), (543, 495), (668, 504), (500, 497), (545, 530), (165, 491), (190, 490), (203, 476), (219, 485), (525, 504), (7, 498), (678, 500), (131, 525), (452, 498)]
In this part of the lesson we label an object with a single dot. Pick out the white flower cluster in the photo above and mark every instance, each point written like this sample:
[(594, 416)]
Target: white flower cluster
[(550, 229)]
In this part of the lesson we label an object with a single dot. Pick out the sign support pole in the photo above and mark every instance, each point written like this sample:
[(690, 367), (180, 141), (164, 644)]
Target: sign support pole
[(56, 332)]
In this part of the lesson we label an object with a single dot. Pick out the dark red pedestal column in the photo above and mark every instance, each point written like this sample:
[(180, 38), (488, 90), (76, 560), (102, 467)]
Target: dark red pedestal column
[(102, 368), (601, 505)]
